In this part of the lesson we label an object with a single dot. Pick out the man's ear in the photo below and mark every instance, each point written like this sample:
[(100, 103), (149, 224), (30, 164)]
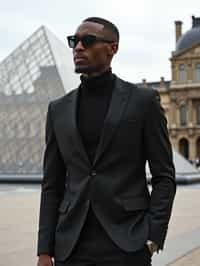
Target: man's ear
[(113, 48)]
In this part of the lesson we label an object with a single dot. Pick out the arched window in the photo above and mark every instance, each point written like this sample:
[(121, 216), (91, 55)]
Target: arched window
[(183, 115), (198, 72), (184, 147), (182, 72)]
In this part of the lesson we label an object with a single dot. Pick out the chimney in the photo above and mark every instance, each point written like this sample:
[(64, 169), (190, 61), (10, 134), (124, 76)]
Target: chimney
[(178, 28), (195, 22)]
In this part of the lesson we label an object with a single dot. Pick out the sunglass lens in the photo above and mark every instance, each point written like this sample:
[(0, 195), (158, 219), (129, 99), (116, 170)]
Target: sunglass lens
[(88, 40), (72, 41)]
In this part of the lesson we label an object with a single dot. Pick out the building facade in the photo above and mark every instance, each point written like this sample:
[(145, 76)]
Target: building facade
[(183, 99), (180, 97)]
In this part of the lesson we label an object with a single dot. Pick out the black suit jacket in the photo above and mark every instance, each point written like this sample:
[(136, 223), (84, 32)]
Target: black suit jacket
[(135, 130)]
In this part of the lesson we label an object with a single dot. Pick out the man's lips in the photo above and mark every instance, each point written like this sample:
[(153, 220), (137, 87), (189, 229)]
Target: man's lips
[(78, 59)]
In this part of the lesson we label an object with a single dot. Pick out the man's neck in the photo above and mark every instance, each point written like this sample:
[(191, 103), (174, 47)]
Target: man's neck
[(95, 74)]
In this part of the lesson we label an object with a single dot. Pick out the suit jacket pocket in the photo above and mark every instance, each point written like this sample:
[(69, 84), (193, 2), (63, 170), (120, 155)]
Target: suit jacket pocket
[(135, 203), (63, 206)]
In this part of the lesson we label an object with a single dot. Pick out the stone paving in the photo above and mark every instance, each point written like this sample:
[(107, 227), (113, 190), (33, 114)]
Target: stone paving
[(191, 259), (184, 229), (19, 209)]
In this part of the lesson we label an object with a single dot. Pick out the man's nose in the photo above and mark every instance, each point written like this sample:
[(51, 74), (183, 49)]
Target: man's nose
[(79, 46)]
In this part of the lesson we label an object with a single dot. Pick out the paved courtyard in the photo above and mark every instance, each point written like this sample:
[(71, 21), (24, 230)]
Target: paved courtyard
[(19, 207)]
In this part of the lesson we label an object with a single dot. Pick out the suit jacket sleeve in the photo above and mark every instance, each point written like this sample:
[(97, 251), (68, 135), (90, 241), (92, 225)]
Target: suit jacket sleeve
[(52, 190), (159, 156)]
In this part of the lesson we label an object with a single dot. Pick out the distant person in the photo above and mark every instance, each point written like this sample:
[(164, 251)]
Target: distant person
[(197, 162), (96, 208)]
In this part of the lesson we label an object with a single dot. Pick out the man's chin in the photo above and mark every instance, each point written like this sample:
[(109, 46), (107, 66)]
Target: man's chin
[(83, 70)]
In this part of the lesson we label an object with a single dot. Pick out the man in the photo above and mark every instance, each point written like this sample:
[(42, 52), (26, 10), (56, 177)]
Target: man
[(96, 208)]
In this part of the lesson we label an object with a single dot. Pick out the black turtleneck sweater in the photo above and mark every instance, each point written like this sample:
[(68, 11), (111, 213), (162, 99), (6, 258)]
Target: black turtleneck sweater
[(94, 98), (93, 103)]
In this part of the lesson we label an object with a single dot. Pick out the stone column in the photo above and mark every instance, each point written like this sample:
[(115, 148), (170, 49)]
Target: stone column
[(174, 143), (192, 149), (190, 113), (173, 114)]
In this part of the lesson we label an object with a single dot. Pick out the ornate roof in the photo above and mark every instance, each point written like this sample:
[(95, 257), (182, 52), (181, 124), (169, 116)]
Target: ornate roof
[(190, 38)]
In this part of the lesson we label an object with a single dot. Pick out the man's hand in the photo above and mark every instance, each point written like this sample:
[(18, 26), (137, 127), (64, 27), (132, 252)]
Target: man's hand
[(45, 260), (153, 247)]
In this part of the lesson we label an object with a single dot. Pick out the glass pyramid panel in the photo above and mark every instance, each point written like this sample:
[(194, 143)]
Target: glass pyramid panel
[(29, 78)]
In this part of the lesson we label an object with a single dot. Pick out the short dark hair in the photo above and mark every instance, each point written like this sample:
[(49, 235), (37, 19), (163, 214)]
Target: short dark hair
[(109, 26)]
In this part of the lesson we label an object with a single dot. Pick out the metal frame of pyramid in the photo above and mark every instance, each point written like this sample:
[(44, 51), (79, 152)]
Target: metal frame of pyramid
[(30, 77)]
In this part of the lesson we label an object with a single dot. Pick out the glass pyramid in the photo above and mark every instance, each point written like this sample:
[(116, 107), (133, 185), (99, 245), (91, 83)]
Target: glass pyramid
[(39, 70)]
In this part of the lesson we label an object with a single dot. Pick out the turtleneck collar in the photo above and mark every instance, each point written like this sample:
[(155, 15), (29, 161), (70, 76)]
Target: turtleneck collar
[(98, 85)]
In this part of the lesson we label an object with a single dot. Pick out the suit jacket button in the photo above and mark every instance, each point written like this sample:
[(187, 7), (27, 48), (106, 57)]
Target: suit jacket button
[(93, 173)]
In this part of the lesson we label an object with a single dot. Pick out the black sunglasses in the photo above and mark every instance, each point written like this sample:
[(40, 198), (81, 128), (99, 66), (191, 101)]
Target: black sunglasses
[(86, 40)]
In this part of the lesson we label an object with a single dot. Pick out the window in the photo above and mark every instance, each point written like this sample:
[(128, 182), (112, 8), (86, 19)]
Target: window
[(198, 114), (182, 72), (183, 115), (198, 72)]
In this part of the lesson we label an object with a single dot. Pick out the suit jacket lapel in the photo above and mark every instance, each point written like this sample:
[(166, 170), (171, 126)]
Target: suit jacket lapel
[(118, 102), (75, 136)]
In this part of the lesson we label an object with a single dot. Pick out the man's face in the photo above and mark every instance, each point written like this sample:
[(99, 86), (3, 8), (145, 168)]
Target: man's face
[(96, 58)]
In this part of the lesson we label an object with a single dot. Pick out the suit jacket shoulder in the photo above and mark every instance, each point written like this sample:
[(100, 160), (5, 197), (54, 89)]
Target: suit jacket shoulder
[(141, 95), (63, 99)]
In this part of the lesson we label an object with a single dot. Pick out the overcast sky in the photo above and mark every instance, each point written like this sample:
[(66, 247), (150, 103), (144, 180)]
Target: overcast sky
[(146, 28)]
